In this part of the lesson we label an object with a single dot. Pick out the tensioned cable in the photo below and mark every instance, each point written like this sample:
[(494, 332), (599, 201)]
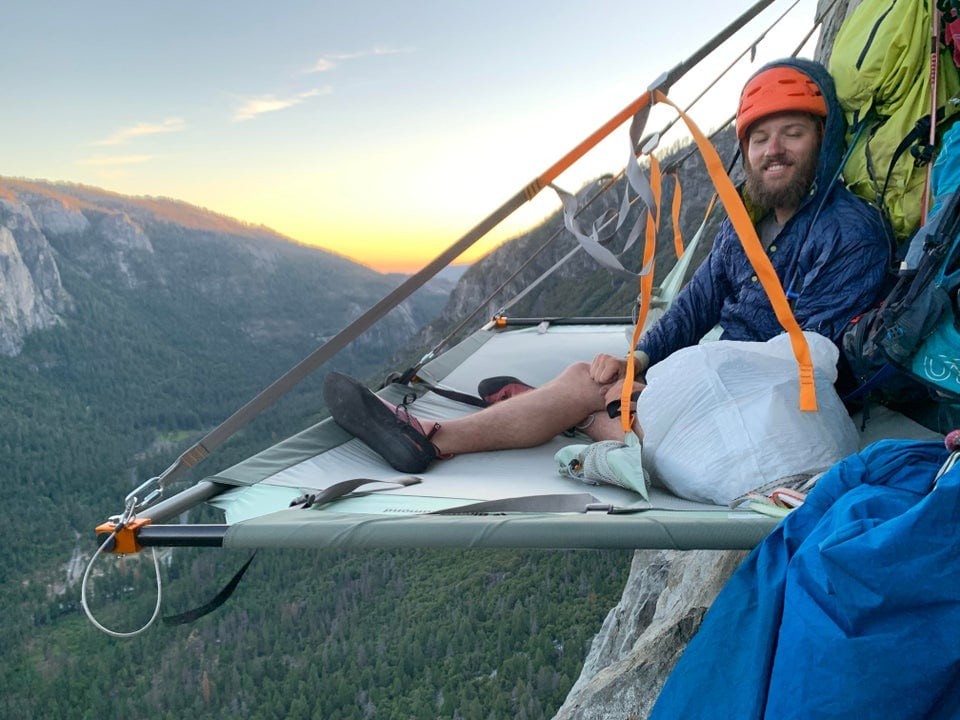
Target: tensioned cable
[(668, 168), (86, 606)]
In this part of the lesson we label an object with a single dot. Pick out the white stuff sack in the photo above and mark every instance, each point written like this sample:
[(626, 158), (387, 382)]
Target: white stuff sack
[(723, 417)]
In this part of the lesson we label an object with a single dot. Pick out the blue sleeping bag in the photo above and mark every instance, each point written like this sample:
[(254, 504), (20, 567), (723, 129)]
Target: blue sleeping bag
[(849, 609)]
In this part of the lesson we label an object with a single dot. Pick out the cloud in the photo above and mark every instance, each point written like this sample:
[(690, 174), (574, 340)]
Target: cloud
[(142, 129), (252, 107), (330, 61), (115, 160), (322, 65)]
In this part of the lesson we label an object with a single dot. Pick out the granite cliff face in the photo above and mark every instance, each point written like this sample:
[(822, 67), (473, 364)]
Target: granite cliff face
[(665, 599), (31, 294)]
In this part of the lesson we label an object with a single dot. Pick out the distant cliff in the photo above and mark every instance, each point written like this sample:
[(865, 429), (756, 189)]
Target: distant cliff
[(170, 250), (31, 293)]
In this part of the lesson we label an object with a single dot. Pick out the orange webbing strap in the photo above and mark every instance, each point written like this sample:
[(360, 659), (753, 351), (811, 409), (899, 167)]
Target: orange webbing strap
[(646, 292), (650, 242), (551, 173), (675, 215), (758, 258), (626, 419)]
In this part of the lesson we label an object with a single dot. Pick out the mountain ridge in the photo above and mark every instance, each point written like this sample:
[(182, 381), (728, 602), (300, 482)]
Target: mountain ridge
[(163, 245)]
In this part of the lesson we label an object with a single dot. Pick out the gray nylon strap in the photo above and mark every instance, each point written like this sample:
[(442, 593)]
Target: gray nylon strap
[(565, 502), (635, 177), (637, 180), (346, 487), (641, 186), (589, 242)]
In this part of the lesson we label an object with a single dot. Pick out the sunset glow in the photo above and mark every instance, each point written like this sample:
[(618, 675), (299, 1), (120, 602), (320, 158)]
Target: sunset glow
[(382, 131)]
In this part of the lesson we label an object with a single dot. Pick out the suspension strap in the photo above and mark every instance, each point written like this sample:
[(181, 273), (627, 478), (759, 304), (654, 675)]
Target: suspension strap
[(591, 241), (767, 276), (671, 284), (650, 245), (934, 87), (675, 214), (758, 258)]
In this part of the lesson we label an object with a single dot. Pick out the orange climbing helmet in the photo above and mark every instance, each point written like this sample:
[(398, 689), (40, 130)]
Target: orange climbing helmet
[(778, 89)]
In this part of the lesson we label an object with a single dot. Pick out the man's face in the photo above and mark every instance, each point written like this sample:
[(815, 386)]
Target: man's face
[(781, 161)]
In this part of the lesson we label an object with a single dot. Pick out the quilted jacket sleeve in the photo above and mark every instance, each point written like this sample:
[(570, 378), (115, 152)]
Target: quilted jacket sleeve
[(831, 272), (694, 312), (844, 272)]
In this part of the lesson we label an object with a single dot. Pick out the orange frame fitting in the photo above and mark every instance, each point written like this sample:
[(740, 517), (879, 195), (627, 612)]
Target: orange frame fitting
[(124, 538)]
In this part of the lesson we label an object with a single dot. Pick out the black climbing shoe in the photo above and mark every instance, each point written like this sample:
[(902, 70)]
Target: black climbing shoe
[(391, 431)]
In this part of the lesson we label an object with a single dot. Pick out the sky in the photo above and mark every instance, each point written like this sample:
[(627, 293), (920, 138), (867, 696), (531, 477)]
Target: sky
[(381, 130)]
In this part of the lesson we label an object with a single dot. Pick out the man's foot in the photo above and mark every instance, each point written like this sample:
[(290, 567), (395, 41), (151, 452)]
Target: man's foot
[(496, 389), (392, 432)]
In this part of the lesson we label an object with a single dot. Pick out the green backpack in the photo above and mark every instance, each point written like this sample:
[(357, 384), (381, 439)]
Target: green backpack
[(881, 65)]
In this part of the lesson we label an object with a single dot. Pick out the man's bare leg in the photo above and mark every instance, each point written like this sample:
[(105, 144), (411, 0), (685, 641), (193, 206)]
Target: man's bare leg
[(577, 397), (571, 399)]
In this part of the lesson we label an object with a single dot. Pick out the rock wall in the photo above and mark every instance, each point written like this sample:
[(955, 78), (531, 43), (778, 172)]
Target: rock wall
[(31, 295), (665, 598)]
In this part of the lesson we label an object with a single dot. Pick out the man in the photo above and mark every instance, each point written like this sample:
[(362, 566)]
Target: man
[(828, 247)]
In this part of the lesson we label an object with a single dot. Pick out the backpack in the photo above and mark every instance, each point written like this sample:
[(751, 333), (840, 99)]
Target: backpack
[(913, 338), (880, 62)]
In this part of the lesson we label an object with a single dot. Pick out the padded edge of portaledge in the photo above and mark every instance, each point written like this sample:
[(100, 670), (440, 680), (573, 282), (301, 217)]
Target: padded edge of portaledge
[(316, 439), (653, 529), (326, 434)]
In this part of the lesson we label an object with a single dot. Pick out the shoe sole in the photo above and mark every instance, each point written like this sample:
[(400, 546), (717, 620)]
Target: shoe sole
[(362, 414), (502, 387)]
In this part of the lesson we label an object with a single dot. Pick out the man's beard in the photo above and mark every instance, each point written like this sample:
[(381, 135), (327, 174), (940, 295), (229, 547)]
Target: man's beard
[(783, 196)]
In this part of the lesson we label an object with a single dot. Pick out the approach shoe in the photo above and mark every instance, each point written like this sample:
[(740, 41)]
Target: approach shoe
[(496, 389), (388, 430)]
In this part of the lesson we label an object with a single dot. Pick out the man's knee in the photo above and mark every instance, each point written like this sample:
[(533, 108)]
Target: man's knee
[(579, 388), (576, 374)]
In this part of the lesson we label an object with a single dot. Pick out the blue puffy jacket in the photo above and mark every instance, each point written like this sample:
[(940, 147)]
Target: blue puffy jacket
[(831, 260)]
